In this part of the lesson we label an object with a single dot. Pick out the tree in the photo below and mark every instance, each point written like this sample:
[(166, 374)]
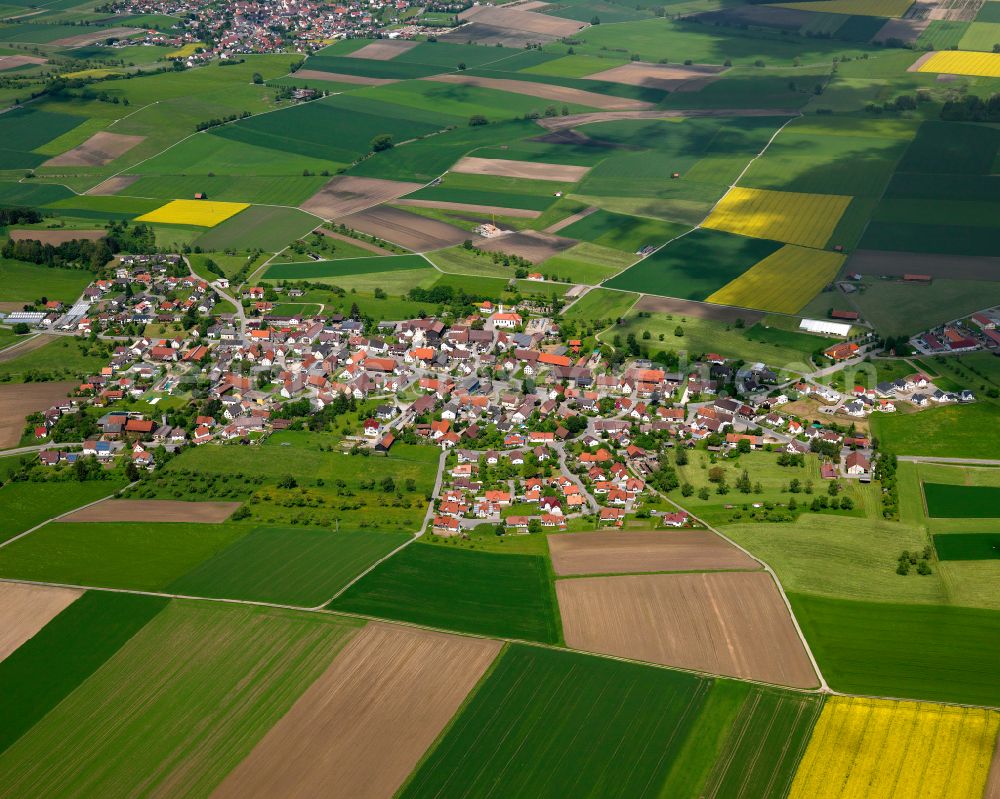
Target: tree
[(681, 456), (287, 482), (703, 492), (476, 120), (383, 141), (687, 490), (258, 78), (716, 474), (743, 446), (678, 331), (21, 329), (595, 20), (743, 483), (534, 526), (795, 486)]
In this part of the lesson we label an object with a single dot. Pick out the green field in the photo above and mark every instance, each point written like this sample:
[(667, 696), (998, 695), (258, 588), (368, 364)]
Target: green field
[(627, 233), (967, 546), (962, 502), (945, 654), (287, 566), (602, 304), (959, 431), (145, 557), (344, 267), (23, 130), (24, 282), (502, 595), (210, 679), (264, 227), (558, 724), (27, 504), (60, 358), (48, 667)]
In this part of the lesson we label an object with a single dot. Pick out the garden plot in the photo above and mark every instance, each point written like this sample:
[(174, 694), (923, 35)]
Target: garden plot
[(100, 149), (348, 195), (547, 91), (153, 510), (732, 623), (25, 609), (361, 728), (648, 551), (383, 49), (417, 233), (520, 169), (530, 244), (658, 76)]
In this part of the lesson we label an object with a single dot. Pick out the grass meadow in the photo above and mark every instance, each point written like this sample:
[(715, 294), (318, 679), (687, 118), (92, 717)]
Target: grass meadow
[(24, 282), (27, 504)]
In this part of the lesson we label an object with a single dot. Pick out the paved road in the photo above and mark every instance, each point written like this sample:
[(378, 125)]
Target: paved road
[(36, 448)]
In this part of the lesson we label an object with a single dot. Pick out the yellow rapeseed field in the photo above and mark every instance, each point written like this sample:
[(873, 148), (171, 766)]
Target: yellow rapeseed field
[(880, 749), (954, 62), (789, 216), (783, 282), (200, 213), (860, 8)]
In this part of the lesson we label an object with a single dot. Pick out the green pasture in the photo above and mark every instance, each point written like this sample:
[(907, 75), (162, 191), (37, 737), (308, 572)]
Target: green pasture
[(982, 34), (952, 148), (626, 233), (602, 304), (501, 595), (587, 263), (23, 130), (345, 267), (265, 227), (25, 282), (950, 431), (967, 546), (961, 501)]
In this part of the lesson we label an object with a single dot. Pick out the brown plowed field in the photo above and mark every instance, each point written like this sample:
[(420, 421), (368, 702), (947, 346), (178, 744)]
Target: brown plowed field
[(571, 121), (100, 149), (616, 552), (417, 233), (471, 208), (530, 244), (112, 185), (731, 623), (348, 195), (361, 728), (13, 61), (56, 236), (98, 34), (383, 49), (339, 77), (521, 20), (547, 91), (364, 245), (520, 169), (952, 267), (25, 609), (18, 400), (656, 76), (698, 310), (154, 510)]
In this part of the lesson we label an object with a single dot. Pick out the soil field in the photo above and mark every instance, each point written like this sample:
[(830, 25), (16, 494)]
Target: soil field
[(14, 61), (732, 623), (113, 185), (534, 170), (17, 401), (697, 310), (906, 30), (95, 36), (383, 49), (523, 21), (364, 245), (100, 149), (55, 237), (530, 244), (24, 344), (416, 233), (952, 267), (649, 551), (25, 609), (359, 730), (154, 510), (547, 91), (657, 76), (347, 195), (494, 36), (340, 77)]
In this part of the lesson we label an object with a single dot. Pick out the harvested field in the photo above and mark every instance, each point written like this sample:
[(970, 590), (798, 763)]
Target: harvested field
[(113, 185), (17, 401), (534, 170), (471, 208), (364, 245), (416, 233), (952, 267), (547, 91), (573, 120), (100, 149), (906, 30), (154, 510), (348, 195), (361, 728), (55, 237), (383, 49), (697, 310), (521, 21), (731, 623), (614, 552), (657, 76), (569, 220), (97, 35), (340, 77), (25, 609), (14, 61), (530, 244)]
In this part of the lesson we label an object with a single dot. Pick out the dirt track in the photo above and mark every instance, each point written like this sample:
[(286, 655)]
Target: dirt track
[(55, 236), (546, 91), (697, 310), (18, 400), (154, 510), (112, 185), (952, 267), (530, 244), (417, 233), (383, 49), (339, 77), (519, 213), (100, 149), (731, 623), (571, 121), (347, 195), (360, 729), (648, 551), (532, 170), (657, 76), (25, 609)]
